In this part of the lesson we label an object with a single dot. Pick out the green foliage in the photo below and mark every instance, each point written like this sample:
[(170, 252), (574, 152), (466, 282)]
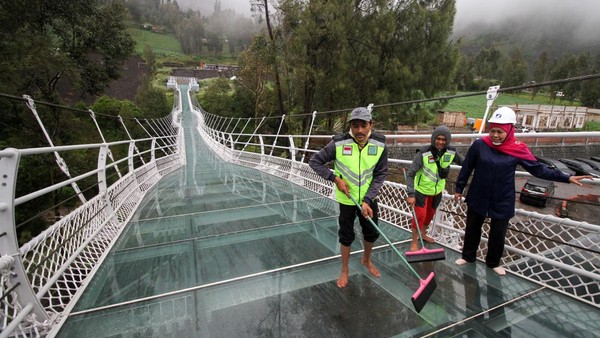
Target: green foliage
[(150, 57), (75, 42), (191, 27), (515, 69), (465, 74), (592, 126), (345, 54), (152, 101), (254, 78), (216, 96), (110, 106), (223, 33), (474, 106), (161, 44), (590, 90), (419, 113), (488, 63)]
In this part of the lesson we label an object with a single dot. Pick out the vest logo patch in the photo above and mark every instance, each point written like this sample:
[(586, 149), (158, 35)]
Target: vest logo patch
[(347, 150), (372, 150), (431, 159), (447, 158)]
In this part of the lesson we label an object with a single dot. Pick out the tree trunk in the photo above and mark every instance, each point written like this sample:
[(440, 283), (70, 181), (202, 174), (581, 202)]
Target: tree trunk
[(277, 80)]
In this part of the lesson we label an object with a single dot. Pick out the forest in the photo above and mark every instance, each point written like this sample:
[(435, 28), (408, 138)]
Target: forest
[(295, 57)]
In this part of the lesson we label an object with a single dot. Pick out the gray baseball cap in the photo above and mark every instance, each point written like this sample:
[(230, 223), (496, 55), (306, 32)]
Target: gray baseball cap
[(361, 113)]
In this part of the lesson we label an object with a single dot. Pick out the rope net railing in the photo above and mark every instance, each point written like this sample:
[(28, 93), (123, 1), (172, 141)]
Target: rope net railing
[(87, 194), (94, 188), (559, 253)]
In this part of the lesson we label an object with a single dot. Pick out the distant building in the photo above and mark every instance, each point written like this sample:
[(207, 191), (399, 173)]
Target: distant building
[(593, 115), (452, 119), (549, 117)]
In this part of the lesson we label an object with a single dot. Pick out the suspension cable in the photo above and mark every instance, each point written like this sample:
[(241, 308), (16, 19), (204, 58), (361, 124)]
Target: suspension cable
[(400, 103), (55, 105), (448, 97)]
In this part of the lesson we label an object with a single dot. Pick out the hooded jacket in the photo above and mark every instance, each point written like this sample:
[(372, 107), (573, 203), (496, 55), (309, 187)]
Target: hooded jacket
[(430, 166)]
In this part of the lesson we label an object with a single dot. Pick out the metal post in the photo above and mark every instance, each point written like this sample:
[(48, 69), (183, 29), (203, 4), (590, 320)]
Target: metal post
[(110, 155), (9, 167), (102, 186), (130, 138), (492, 94), (312, 122)]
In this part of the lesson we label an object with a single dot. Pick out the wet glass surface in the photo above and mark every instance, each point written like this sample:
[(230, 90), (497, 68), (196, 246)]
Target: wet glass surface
[(218, 250)]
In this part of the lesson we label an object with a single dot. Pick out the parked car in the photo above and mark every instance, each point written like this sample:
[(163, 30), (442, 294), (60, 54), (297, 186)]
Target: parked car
[(580, 167), (556, 164), (536, 191), (595, 165), (596, 161)]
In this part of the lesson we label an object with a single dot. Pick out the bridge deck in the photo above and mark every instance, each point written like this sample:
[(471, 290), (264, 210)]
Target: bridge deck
[(218, 250)]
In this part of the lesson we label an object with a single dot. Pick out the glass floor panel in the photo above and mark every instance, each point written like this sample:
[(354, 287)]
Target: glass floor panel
[(218, 250)]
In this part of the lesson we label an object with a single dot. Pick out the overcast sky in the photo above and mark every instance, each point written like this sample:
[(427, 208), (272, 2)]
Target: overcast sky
[(585, 12), (207, 6)]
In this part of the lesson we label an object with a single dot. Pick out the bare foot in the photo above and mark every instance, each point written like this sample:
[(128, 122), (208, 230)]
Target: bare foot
[(428, 239), (372, 269), (414, 247), (500, 270), (342, 281)]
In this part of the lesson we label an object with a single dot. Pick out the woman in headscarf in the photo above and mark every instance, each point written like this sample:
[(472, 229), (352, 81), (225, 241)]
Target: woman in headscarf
[(492, 191)]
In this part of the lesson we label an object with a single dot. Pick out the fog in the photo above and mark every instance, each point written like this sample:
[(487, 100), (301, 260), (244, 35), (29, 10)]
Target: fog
[(206, 7), (578, 18)]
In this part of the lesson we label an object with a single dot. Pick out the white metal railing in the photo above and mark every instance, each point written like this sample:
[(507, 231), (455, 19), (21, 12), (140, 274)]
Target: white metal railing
[(560, 253), (39, 279)]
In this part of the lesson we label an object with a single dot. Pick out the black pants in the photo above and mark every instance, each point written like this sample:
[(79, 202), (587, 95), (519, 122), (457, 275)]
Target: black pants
[(495, 240), (346, 219)]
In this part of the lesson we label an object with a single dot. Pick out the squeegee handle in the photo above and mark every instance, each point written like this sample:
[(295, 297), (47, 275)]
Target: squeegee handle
[(386, 238), (414, 214)]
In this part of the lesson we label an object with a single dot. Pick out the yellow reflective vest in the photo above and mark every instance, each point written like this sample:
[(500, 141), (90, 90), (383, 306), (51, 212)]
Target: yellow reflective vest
[(356, 166), (427, 180)]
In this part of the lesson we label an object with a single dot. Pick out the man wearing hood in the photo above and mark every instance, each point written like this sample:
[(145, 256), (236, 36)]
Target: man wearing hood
[(426, 180)]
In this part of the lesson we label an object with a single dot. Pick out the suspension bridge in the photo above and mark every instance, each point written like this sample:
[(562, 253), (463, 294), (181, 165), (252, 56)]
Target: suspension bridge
[(200, 229)]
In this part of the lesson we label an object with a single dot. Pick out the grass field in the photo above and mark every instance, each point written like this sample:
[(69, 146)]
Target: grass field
[(161, 44), (167, 47), (475, 105)]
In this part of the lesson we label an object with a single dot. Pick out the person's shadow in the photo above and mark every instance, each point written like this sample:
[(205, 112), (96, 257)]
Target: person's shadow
[(484, 298)]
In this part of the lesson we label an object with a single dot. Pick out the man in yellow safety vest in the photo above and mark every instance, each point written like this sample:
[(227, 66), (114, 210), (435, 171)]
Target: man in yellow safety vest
[(360, 169)]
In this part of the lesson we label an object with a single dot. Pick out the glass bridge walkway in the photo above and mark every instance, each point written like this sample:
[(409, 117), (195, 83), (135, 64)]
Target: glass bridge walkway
[(220, 250)]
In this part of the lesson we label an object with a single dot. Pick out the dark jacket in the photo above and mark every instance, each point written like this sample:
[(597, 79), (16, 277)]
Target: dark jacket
[(319, 160), (492, 190)]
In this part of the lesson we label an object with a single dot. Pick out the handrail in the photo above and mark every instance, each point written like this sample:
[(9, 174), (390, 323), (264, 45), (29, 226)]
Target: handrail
[(32, 273), (551, 260), (33, 276)]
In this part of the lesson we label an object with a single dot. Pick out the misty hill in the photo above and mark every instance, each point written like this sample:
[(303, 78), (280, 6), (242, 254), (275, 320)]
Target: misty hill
[(533, 34)]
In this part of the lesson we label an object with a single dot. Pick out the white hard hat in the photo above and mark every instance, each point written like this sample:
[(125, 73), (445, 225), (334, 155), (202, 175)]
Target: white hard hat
[(503, 115)]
